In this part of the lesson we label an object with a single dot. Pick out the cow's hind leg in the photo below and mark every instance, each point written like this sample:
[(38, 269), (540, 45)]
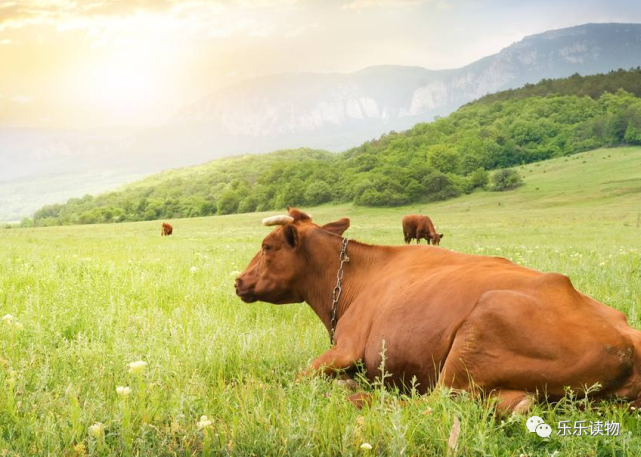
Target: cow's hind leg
[(492, 346), (521, 341)]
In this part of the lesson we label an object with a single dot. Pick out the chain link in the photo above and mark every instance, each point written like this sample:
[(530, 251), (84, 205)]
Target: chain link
[(336, 294)]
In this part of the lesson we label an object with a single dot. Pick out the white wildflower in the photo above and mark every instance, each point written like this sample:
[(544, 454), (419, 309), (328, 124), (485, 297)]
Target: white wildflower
[(11, 321), (137, 367), (203, 422), (123, 391), (97, 430), (193, 270), (366, 447), (234, 274)]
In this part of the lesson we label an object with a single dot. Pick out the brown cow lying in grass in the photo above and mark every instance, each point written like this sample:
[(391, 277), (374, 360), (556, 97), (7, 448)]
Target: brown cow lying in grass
[(477, 323), (420, 227), (166, 229)]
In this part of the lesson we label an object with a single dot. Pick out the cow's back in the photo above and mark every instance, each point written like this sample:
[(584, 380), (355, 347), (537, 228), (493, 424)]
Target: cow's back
[(428, 225), (411, 221)]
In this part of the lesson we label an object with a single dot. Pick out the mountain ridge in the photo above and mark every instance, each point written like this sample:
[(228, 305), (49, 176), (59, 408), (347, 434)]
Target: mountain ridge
[(432, 161), (326, 115), (310, 102)]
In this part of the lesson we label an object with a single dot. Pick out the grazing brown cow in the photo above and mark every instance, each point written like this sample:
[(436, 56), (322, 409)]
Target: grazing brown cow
[(420, 227), (443, 317), (166, 229)]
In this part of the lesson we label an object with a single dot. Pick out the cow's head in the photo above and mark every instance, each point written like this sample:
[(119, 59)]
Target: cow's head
[(274, 274), (436, 239)]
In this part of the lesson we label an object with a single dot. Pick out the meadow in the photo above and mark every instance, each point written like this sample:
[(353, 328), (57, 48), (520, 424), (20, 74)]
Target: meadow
[(83, 304)]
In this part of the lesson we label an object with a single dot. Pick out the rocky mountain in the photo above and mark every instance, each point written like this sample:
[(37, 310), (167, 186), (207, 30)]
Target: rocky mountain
[(336, 111), (331, 111)]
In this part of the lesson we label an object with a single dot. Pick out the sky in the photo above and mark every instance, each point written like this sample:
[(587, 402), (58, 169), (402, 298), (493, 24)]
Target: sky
[(135, 63)]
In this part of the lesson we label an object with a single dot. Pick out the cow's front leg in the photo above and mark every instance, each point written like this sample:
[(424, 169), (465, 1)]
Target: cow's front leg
[(329, 362)]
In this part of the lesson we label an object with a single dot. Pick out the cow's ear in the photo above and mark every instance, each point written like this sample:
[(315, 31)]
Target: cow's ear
[(337, 227), (291, 235), (441, 235)]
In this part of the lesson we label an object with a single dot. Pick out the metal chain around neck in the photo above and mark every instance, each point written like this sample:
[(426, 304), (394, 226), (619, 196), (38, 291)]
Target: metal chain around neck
[(336, 294)]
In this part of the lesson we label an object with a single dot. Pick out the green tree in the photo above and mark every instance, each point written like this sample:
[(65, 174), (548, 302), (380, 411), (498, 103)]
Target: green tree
[(248, 204), (318, 192), (26, 222), (479, 179), (506, 179), (228, 202)]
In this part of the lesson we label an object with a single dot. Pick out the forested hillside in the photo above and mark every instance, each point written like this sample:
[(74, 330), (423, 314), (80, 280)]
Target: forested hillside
[(431, 161), (593, 86)]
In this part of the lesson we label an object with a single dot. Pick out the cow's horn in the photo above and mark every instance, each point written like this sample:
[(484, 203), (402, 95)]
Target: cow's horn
[(277, 220)]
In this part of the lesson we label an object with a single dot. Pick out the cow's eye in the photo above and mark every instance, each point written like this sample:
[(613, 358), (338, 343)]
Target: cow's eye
[(266, 247)]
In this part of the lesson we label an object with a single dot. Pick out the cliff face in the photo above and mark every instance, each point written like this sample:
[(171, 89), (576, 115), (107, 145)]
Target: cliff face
[(380, 98), (324, 111)]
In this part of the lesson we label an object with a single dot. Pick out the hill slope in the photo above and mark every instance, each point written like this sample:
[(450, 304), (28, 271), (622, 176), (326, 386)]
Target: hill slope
[(432, 161), (337, 111), (603, 178), (102, 296), (328, 111)]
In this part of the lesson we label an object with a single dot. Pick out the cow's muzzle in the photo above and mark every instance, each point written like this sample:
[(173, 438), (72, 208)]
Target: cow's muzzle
[(246, 293)]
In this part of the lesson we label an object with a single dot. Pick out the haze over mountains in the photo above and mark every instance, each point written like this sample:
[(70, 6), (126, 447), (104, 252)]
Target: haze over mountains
[(330, 111), (337, 111)]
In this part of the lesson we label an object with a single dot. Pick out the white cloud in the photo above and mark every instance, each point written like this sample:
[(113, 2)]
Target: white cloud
[(366, 4), (301, 29), (56, 12), (265, 3), (108, 21), (22, 99)]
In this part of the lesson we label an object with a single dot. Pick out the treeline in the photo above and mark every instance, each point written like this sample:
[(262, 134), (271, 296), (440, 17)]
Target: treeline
[(591, 86), (431, 161)]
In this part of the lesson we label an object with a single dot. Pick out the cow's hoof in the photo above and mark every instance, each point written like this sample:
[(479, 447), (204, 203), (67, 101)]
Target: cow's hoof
[(361, 399), (524, 406)]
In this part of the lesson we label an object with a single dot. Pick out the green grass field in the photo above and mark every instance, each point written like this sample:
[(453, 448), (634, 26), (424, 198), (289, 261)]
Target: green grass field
[(86, 301)]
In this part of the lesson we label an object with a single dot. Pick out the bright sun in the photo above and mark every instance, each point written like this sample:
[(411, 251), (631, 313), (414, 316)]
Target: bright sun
[(125, 82)]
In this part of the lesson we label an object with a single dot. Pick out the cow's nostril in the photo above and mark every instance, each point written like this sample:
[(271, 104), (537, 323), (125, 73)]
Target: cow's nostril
[(238, 283)]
